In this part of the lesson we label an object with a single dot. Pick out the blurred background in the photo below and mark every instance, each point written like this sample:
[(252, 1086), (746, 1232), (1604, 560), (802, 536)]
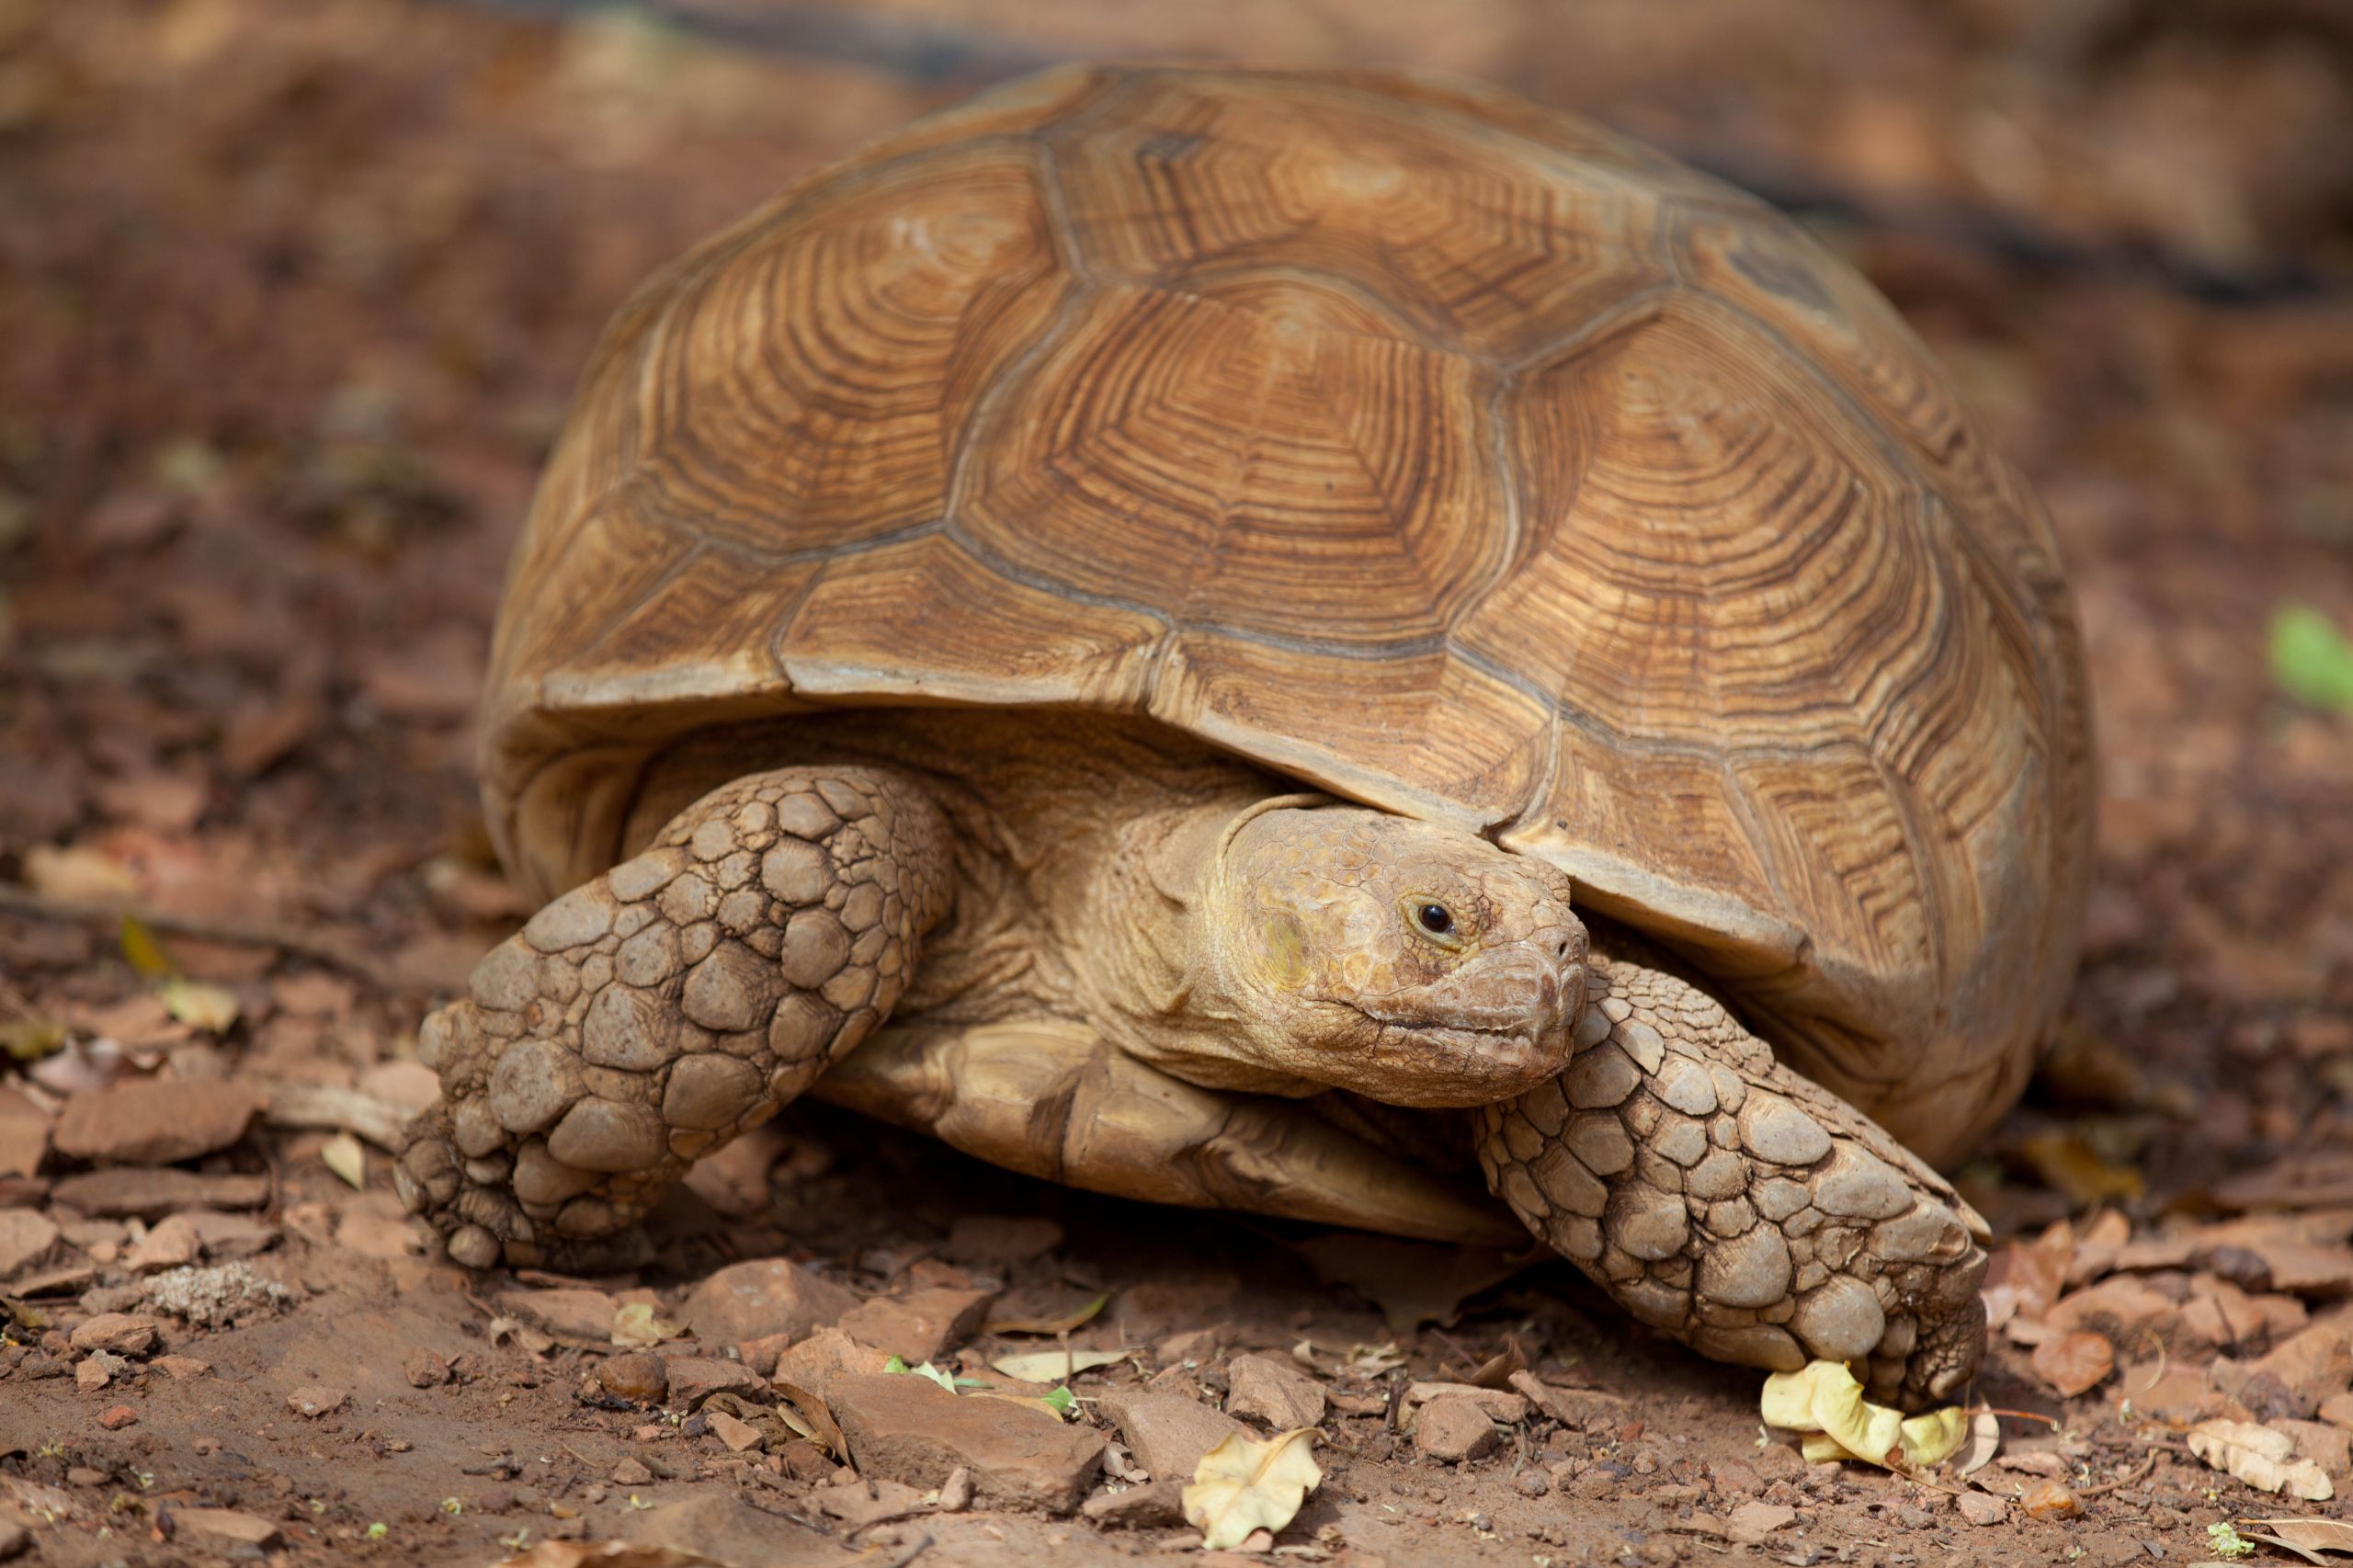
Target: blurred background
[(291, 295)]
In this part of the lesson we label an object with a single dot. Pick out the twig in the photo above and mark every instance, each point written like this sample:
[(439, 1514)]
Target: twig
[(2121, 1479), (329, 950)]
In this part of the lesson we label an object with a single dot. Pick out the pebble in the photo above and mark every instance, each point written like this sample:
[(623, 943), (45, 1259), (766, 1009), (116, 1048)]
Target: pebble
[(125, 1334), (147, 1123), (115, 1417), (1498, 1404), (637, 1375), (909, 1429), (1980, 1509), (315, 1400), (227, 1524), (739, 1436), (25, 1238), (173, 1244), (1261, 1388), (1001, 1240), (824, 1358), (919, 1327), (1531, 1483), (631, 1473), (694, 1379), (1453, 1429), (572, 1312), (1166, 1432), (745, 1300), (135, 1192)]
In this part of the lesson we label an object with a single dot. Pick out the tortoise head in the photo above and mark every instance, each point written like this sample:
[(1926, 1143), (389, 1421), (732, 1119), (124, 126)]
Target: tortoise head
[(1413, 964)]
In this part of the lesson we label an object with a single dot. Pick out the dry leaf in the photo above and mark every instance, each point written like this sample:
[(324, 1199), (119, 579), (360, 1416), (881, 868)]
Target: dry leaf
[(212, 1008), (2262, 1458), (2064, 1160), (2071, 1363), (143, 951), (347, 1159), (1244, 1484), (1055, 1366), (2306, 1536), (1985, 1440), (806, 1413), (1046, 1326), (76, 872), (634, 1323), (604, 1554), (1825, 1400)]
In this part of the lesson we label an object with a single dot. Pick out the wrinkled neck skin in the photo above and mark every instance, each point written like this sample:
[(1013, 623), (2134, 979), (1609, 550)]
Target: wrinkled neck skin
[(1284, 945)]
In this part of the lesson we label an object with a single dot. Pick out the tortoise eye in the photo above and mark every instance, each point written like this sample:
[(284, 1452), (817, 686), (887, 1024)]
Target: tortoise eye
[(1437, 919)]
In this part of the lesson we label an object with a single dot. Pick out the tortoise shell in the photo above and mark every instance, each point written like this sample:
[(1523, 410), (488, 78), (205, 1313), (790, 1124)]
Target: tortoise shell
[(1457, 456)]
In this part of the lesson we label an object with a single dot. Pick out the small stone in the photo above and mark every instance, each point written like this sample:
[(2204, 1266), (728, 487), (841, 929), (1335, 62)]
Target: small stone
[(98, 1369), (173, 1244), (637, 1375), (1750, 1522), (737, 1435), (315, 1400), (1260, 1388), (1980, 1509), (824, 1359), (956, 1492), (694, 1379), (630, 1472), (1531, 1483), (1453, 1429), (1501, 1404), (115, 1417), (909, 1429), (1166, 1432), (572, 1312), (227, 1524), (921, 1325), (180, 1368), (151, 1192), (154, 1123), (746, 1300), (25, 1238), (1159, 1503), (1001, 1240), (125, 1334)]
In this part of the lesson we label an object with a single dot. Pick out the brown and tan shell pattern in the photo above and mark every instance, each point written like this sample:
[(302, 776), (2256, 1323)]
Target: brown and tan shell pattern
[(1452, 454)]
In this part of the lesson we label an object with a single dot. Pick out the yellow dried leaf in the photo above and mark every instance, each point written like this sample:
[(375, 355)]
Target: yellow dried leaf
[(1047, 1325), (347, 1159), (143, 951), (1055, 1366), (2306, 1536), (1824, 1400), (79, 873), (634, 1323), (212, 1008), (2262, 1458), (1244, 1484)]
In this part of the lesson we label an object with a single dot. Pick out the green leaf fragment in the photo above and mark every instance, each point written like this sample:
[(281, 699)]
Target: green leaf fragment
[(2311, 659)]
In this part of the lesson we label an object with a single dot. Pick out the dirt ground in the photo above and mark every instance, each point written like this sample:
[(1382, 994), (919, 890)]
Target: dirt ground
[(291, 297)]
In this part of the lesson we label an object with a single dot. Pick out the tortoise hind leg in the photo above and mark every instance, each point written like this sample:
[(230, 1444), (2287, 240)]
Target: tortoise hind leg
[(1724, 1198), (652, 1014)]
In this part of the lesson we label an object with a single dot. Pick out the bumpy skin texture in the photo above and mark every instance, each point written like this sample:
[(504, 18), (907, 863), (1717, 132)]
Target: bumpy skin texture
[(651, 1015), (1721, 1196)]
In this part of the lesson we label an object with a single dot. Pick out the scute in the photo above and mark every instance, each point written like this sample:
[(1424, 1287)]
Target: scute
[(1448, 452)]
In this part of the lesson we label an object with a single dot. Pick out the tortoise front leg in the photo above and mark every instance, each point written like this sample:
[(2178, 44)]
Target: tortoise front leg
[(652, 1014), (1723, 1197)]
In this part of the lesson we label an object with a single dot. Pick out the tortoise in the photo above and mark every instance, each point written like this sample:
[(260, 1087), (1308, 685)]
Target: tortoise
[(1286, 640)]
